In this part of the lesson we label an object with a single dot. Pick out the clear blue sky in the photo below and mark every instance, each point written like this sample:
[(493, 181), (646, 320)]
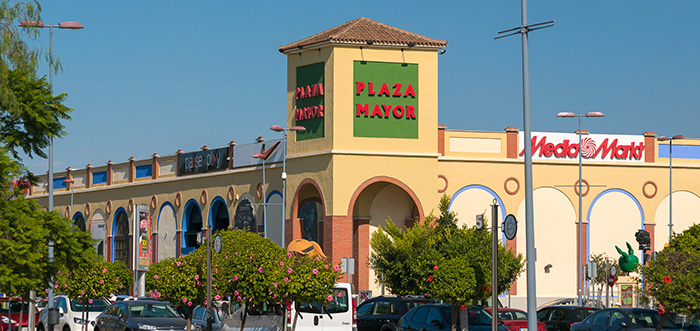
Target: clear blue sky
[(156, 76)]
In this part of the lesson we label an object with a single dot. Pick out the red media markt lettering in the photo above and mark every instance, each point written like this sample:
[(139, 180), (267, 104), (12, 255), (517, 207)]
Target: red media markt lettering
[(607, 149)]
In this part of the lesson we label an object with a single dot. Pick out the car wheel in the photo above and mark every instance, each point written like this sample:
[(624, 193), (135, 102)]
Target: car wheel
[(388, 327), (40, 327), (66, 328)]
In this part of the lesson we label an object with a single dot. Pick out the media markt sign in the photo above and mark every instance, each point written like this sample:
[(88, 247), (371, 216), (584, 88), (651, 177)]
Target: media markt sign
[(385, 100), (596, 147)]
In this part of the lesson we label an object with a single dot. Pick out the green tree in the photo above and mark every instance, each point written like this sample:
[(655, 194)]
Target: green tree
[(448, 262), (97, 280), (673, 278), (182, 281)]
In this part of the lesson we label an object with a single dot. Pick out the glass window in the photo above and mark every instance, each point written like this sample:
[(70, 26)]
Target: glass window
[(434, 315), (365, 309), (152, 310), (338, 304), (558, 315), (121, 239), (543, 315), (409, 315), (62, 304), (600, 318), (199, 313), (479, 317), (96, 305), (382, 308), (616, 318), (581, 314), (420, 314), (414, 303)]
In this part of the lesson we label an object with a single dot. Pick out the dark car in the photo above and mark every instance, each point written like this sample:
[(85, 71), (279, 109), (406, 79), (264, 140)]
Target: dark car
[(438, 317), (382, 313), (10, 311), (199, 318), (560, 318), (623, 318), (139, 315)]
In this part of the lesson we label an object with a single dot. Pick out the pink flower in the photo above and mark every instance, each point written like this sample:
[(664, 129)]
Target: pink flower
[(217, 297), (336, 267), (90, 301), (286, 280), (196, 277), (55, 286), (434, 267), (184, 299), (104, 270), (239, 298), (155, 277), (667, 279), (315, 272), (46, 290), (199, 284), (330, 297), (275, 283), (82, 292), (289, 270), (260, 270), (235, 277), (178, 263), (274, 296), (289, 254), (102, 281), (281, 264), (430, 278), (326, 266), (235, 292), (65, 285), (252, 256), (189, 303)]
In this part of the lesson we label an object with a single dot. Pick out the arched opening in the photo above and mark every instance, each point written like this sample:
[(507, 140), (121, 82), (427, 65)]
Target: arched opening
[(97, 228), (245, 216), (311, 217), (167, 232), (79, 221), (120, 237), (219, 213), (192, 227)]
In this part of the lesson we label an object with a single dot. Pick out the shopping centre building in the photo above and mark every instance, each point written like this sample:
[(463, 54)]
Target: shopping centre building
[(367, 96)]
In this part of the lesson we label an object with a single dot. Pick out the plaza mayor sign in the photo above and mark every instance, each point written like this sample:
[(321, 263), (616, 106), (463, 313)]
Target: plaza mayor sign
[(597, 147)]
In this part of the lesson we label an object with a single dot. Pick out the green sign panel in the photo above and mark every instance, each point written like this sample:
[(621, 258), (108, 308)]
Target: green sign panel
[(309, 99), (385, 100)]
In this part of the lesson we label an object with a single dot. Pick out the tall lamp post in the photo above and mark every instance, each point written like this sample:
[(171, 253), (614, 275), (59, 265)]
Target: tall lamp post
[(263, 157), (670, 179), (278, 128), (53, 312), (580, 198)]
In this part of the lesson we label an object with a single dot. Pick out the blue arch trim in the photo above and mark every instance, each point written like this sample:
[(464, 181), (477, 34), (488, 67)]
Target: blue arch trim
[(590, 209), (213, 206), (114, 229), (192, 203), (493, 194), (160, 212), (75, 216)]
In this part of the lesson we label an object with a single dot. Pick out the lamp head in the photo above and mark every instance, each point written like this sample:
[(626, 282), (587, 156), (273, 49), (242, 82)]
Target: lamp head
[(678, 136), (297, 128), (565, 114), (31, 24), (70, 25), (68, 181), (276, 128), (662, 138), (595, 114), (258, 156)]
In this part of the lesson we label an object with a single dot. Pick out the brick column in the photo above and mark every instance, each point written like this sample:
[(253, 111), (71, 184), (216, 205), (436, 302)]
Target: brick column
[(651, 228), (155, 171), (441, 139), (584, 248), (512, 142), (177, 162), (88, 175), (337, 238), (361, 253), (231, 145), (132, 169), (108, 246), (649, 147), (69, 175), (110, 172)]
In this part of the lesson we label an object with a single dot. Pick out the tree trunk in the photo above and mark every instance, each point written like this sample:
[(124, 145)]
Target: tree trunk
[(19, 323), (662, 320), (294, 323), (244, 316), (464, 318)]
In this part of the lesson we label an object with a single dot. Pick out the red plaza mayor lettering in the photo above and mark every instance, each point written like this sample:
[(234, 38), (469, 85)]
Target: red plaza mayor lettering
[(309, 91), (385, 110), (610, 149), (310, 112)]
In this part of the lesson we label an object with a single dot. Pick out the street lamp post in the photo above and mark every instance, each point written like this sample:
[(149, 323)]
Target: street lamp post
[(278, 128), (670, 180), (53, 312), (579, 279)]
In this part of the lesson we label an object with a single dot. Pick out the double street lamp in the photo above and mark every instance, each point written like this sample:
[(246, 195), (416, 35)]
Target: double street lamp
[(53, 312), (278, 128), (670, 179), (581, 276)]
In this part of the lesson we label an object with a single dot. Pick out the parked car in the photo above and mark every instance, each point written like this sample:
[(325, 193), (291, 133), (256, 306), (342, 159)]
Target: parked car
[(438, 317), (139, 315), (514, 319), (560, 318), (383, 313), (338, 314), (199, 318), (10, 311), (624, 318), (70, 313), (261, 317)]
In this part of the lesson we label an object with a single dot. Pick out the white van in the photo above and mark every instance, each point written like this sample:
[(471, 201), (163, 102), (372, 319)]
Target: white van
[(340, 314)]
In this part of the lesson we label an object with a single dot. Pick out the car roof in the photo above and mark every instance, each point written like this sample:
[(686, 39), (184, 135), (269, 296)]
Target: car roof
[(569, 307)]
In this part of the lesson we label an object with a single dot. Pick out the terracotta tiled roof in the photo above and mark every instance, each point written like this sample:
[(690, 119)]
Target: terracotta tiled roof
[(363, 30)]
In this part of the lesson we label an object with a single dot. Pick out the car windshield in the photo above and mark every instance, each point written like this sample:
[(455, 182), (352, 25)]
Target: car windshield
[(649, 319), (96, 305), (476, 316), (510, 315), (151, 310), (14, 307), (339, 303)]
